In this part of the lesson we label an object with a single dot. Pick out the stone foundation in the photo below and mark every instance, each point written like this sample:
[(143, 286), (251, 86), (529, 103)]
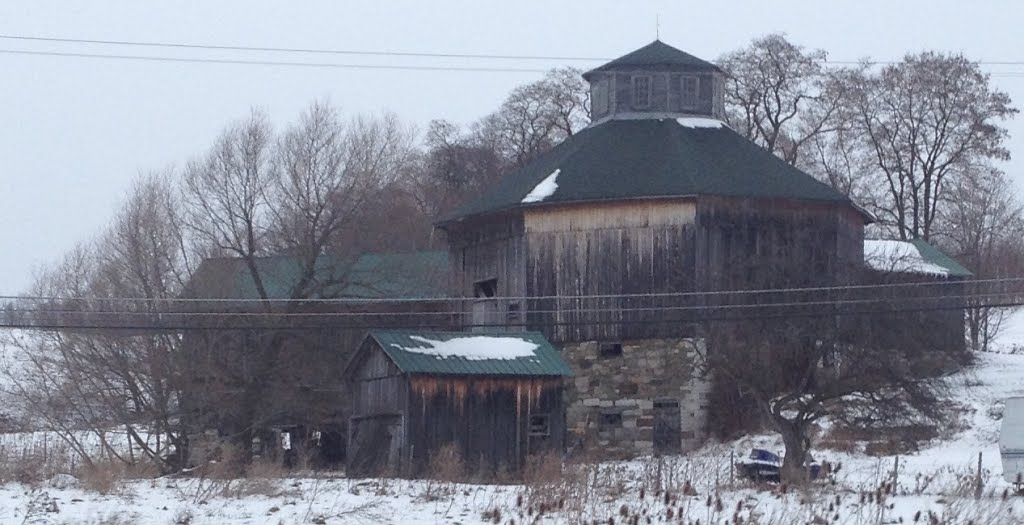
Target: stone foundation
[(622, 392)]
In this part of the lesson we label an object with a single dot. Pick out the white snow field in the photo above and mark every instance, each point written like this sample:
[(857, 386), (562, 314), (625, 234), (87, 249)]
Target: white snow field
[(940, 479)]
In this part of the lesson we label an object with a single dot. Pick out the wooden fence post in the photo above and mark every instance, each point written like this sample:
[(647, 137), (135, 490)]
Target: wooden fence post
[(895, 473), (977, 481)]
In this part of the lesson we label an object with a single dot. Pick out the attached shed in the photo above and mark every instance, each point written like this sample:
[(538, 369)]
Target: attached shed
[(496, 397), (921, 273)]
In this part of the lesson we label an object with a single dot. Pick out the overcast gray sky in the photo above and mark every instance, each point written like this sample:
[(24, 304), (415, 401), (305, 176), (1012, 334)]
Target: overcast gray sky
[(75, 131)]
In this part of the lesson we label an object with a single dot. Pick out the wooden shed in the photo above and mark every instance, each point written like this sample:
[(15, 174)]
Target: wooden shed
[(496, 397), (913, 267)]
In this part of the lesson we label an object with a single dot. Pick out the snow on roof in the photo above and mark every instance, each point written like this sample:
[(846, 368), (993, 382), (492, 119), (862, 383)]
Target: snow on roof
[(473, 348), (700, 122), (898, 256), (543, 189)]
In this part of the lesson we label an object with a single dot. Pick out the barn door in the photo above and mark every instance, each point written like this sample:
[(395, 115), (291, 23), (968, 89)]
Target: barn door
[(667, 427)]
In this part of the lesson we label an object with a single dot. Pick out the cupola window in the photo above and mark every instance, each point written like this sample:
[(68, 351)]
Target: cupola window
[(600, 102), (690, 90), (641, 91)]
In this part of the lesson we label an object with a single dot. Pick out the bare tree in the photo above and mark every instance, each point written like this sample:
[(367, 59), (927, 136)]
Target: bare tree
[(226, 193), (96, 381), (780, 95), (924, 120), (799, 369), (303, 196), (983, 226), (536, 116)]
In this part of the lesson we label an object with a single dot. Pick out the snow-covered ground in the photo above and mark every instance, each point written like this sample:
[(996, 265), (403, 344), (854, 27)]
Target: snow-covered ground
[(940, 478)]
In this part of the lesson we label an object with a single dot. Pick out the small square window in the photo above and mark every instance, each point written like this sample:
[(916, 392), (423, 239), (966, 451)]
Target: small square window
[(608, 350), (488, 288), (514, 313), (641, 91), (540, 425), (690, 91), (609, 420)]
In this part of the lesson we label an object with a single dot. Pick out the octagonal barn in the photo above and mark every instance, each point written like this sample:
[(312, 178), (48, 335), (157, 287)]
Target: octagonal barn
[(656, 196)]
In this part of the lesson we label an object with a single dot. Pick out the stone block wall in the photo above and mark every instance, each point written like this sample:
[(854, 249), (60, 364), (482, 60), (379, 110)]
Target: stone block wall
[(621, 388)]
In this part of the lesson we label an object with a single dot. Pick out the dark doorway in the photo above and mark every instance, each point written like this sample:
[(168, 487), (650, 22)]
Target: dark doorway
[(667, 427), (375, 445)]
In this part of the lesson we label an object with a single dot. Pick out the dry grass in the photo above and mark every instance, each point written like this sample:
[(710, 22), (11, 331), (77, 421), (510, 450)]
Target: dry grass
[(447, 464)]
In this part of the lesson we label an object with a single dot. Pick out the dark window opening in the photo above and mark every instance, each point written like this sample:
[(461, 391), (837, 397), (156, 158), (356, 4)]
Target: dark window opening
[(611, 350), (610, 420), (488, 288), (540, 425), (690, 88), (641, 91), (514, 312), (666, 403)]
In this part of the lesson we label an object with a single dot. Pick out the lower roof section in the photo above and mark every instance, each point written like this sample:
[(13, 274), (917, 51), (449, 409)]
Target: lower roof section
[(490, 353)]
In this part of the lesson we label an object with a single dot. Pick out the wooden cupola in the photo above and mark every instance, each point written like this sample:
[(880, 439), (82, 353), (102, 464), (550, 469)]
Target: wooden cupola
[(656, 81)]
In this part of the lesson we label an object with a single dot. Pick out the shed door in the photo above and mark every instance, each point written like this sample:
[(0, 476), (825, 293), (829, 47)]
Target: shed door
[(667, 427), (375, 445)]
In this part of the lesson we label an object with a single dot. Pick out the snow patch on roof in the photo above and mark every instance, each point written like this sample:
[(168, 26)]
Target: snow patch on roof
[(473, 348), (898, 256), (544, 188), (700, 122)]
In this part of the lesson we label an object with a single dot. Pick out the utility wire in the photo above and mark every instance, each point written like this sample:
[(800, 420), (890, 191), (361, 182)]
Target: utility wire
[(706, 293), (350, 52), (188, 327), (567, 310), (321, 65)]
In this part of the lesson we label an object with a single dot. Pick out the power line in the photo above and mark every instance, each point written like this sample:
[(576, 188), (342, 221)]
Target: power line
[(320, 65), (416, 54), (221, 47), (330, 65), (407, 299), (818, 313), (199, 314)]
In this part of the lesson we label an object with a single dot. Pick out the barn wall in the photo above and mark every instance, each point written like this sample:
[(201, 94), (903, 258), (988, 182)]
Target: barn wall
[(747, 243), (649, 381), (487, 419), (377, 385), (491, 248), (938, 330), (636, 247), (377, 426)]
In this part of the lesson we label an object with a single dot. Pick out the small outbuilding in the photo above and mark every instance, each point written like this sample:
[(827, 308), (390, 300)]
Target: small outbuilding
[(916, 271), (495, 397)]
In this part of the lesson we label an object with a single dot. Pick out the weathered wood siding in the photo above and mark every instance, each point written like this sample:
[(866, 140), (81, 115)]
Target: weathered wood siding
[(748, 243), (377, 385), (493, 248), (636, 247), (487, 419)]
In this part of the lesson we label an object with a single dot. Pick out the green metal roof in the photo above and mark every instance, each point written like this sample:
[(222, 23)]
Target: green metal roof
[(935, 256), (643, 158), (656, 55), (471, 353), (370, 276)]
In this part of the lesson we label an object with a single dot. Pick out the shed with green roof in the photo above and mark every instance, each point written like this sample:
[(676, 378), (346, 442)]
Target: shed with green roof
[(495, 396)]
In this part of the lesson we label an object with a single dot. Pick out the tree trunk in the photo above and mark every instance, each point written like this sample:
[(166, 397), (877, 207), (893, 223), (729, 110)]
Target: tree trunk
[(794, 472), (974, 328)]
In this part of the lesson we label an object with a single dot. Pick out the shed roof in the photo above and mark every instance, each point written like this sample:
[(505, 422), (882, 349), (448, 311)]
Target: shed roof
[(656, 55), (471, 353), (916, 256), (369, 276), (650, 158)]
